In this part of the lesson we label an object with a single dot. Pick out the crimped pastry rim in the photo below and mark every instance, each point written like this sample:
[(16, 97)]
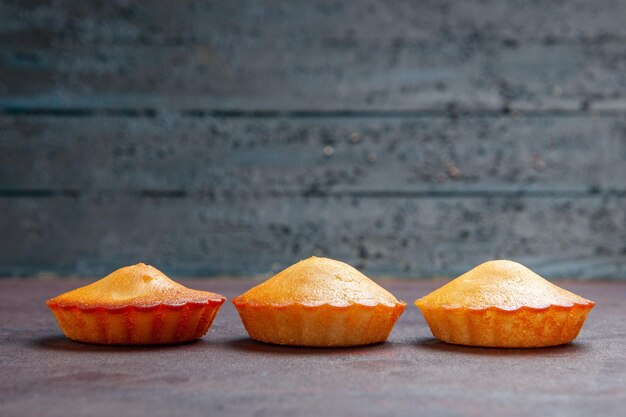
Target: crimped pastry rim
[(238, 302), (424, 306), (52, 304)]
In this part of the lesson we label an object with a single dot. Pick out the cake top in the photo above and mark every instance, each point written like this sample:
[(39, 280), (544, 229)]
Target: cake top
[(503, 284), (317, 281), (138, 285)]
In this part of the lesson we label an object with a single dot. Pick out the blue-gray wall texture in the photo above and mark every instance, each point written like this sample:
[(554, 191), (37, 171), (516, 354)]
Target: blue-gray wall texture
[(408, 138)]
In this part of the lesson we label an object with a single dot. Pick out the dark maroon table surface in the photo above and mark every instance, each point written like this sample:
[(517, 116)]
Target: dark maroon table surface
[(226, 374)]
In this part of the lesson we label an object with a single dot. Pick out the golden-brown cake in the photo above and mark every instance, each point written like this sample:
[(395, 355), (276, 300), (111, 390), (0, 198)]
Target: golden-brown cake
[(135, 305), (319, 302), (504, 304)]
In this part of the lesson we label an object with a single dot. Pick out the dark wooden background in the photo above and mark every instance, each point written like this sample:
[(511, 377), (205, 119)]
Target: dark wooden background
[(411, 138)]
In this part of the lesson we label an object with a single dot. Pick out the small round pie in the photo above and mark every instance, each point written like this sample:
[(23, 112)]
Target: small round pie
[(135, 305), (319, 302), (504, 304)]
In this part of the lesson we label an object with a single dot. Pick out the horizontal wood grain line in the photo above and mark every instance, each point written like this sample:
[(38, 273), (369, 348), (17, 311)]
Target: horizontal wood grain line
[(504, 41), (62, 111), (313, 193), (76, 111)]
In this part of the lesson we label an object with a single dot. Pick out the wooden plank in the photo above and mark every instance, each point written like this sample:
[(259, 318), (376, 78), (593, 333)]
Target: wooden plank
[(531, 56), (577, 237), (170, 153), (198, 21), (370, 75)]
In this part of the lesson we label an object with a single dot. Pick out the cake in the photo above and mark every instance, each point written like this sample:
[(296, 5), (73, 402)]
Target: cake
[(319, 302), (504, 304), (135, 305)]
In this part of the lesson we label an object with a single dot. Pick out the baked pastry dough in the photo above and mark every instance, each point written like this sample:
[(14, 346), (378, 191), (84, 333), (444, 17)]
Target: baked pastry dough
[(135, 305), (319, 302), (504, 304)]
